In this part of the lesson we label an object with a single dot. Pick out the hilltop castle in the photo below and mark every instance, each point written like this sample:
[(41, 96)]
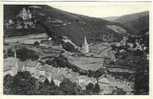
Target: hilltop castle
[(25, 19)]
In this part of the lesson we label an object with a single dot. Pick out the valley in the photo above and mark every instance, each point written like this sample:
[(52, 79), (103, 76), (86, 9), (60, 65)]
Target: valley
[(48, 51)]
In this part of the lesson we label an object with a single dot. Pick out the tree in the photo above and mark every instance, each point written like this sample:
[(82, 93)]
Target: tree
[(8, 80), (91, 73), (10, 52), (52, 84), (46, 82), (90, 86), (69, 87), (96, 88), (142, 78), (23, 83), (36, 44)]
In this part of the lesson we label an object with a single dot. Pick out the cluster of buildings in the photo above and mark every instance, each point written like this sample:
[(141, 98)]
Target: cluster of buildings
[(23, 20)]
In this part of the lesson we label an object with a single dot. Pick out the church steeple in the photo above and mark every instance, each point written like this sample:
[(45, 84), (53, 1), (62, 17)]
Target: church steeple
[(85, 46)]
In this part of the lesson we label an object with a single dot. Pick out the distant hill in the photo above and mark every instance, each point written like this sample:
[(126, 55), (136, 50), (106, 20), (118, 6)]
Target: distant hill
[(138, 23), (64, 23), (111, 18)]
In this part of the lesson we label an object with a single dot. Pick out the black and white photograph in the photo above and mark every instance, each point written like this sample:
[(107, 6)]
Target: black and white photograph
[(72, 49)]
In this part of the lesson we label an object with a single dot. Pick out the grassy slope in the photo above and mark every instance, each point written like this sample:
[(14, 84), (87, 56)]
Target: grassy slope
[(138, 22), (76, 25)]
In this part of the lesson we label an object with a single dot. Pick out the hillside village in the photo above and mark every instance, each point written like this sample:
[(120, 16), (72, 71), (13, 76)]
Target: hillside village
[(57, 61)]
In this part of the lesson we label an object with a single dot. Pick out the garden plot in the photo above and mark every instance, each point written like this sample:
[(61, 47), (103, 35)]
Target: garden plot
[(87, 63)]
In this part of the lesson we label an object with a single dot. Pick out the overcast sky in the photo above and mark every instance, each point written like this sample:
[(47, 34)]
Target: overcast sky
[(103, 9)]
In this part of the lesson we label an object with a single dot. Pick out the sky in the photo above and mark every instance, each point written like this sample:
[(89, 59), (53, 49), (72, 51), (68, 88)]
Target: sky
[(103, 9)]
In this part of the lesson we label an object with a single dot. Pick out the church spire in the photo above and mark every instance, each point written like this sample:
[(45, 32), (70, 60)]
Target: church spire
[(85, 46)]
